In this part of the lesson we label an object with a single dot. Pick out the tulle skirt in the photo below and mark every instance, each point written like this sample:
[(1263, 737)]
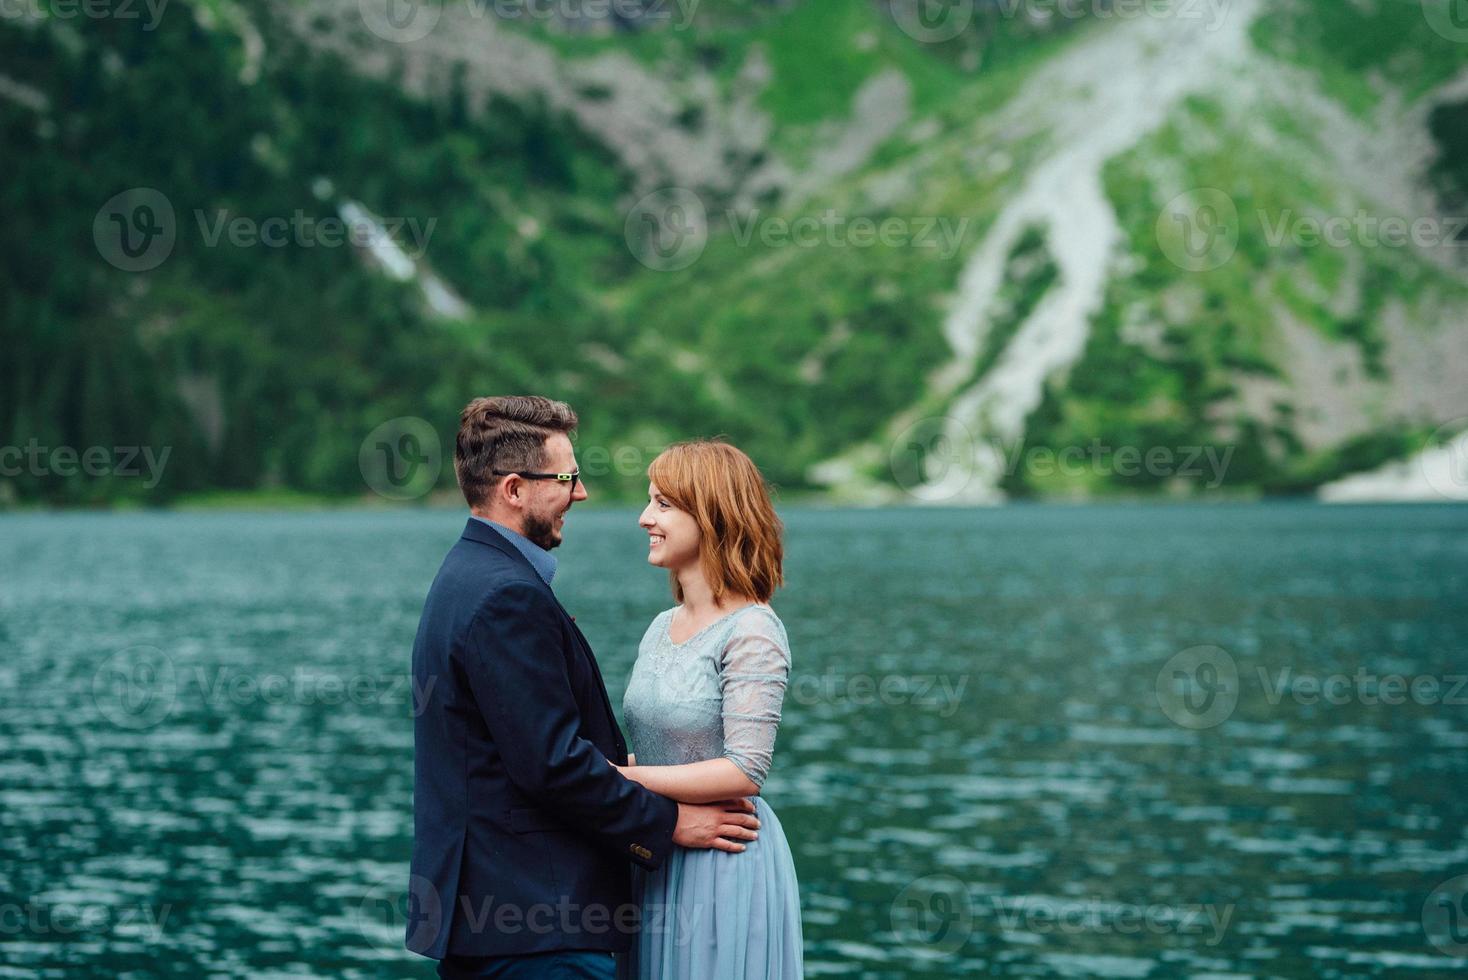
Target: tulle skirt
[(713, 915)]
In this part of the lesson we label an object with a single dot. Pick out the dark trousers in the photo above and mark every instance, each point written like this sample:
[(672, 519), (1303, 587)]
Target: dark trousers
[(563, 965)]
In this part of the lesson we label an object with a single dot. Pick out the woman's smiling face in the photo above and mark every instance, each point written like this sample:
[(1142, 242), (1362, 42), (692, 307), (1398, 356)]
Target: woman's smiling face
[(672, 534)]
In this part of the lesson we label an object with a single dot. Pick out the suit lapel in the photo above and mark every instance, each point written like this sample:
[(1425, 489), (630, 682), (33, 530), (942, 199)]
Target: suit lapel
[(601, 685), (477, 530)]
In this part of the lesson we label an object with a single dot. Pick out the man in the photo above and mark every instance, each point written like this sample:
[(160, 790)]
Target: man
[(524, 833)]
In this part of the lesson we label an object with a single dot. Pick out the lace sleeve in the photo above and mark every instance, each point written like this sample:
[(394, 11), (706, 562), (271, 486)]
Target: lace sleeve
[(752, 677)]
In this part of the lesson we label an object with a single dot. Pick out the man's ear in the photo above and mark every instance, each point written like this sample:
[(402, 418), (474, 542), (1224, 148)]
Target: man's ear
[(510, 491)]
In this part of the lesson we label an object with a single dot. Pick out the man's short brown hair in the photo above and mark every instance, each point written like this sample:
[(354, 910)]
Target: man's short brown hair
[(506, 432)]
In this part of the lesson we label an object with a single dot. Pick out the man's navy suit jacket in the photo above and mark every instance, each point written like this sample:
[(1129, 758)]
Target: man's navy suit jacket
[(523, 833)]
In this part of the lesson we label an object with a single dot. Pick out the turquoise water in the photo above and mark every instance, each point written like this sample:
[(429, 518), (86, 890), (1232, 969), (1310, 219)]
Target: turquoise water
[(1150, 741)]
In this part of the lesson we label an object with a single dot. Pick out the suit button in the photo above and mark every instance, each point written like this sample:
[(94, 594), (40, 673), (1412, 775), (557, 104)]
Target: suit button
[(641, 851)]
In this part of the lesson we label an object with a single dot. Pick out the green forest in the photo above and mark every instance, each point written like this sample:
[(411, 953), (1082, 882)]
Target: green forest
[(261, 367)]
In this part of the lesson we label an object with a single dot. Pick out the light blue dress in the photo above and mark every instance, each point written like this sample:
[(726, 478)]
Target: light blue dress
[(709, 914)]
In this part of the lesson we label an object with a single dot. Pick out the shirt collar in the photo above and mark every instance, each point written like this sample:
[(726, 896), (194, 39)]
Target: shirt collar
[(541, 560)]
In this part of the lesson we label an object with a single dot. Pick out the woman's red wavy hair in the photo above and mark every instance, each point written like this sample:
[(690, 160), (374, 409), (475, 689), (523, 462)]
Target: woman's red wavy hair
[(739, 546)]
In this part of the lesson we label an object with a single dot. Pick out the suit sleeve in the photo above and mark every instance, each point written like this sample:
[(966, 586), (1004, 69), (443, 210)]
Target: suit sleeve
[(517, 673)]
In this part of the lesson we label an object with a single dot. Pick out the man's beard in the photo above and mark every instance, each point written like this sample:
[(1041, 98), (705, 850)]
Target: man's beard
[(541, 531)]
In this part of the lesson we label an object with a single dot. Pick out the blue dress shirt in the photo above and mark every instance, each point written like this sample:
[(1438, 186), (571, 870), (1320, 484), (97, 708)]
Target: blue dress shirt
[(541, 560)]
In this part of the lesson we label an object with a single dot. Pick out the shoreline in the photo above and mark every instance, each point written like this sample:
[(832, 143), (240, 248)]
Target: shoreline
[(267, 502)]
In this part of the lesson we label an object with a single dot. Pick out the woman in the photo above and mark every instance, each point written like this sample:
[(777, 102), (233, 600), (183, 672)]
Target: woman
[(702, 707)]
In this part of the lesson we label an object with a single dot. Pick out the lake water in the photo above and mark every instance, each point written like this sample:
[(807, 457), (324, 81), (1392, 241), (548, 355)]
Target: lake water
[(1124, 741)]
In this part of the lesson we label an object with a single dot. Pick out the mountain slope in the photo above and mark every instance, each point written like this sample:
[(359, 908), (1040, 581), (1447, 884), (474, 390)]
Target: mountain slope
[(888, 266)]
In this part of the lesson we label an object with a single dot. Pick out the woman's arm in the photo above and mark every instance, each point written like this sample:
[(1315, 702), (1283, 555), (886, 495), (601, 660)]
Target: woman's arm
[(709, 781), (753, 670)]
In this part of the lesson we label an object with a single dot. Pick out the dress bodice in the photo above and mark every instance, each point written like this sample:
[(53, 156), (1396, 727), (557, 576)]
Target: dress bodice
[(718, 694)]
